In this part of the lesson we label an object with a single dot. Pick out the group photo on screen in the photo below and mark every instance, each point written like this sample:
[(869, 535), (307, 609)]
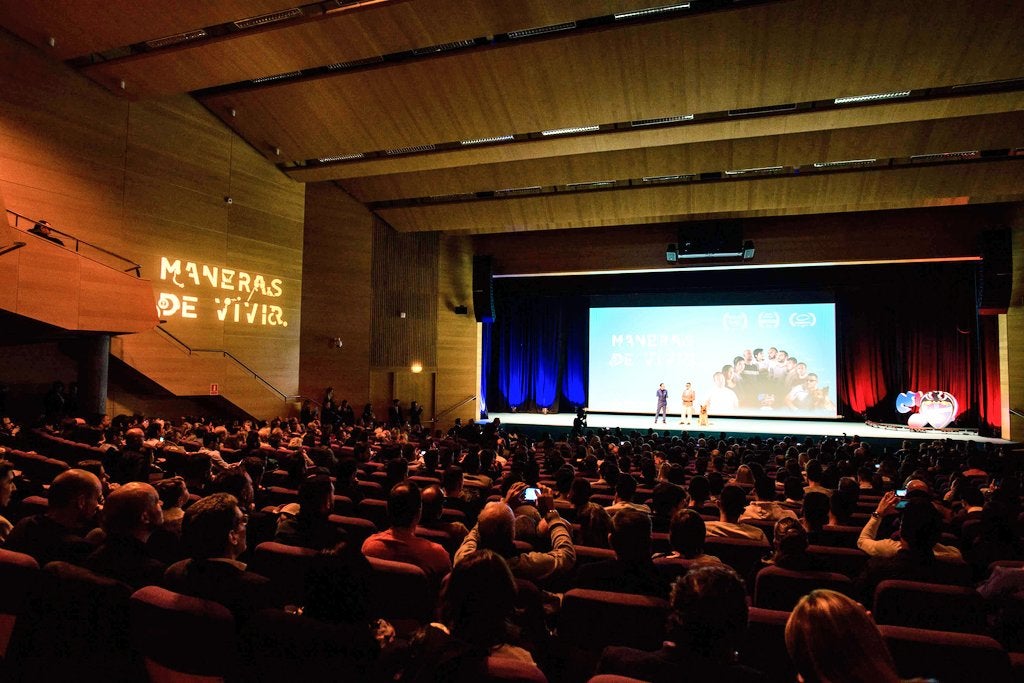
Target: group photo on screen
[(764, 359)]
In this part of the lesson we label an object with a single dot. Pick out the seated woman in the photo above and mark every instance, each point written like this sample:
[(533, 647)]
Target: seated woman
[(832, 638), (595, 525), (477, 605)]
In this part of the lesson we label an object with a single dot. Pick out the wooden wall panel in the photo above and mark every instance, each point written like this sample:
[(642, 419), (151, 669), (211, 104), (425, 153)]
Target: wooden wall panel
[(1014, 327), (914, 233), (150, 181), (336, 295), (404, 320), (457, 335)]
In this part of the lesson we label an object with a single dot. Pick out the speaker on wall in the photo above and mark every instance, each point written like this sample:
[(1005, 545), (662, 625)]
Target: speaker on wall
[(483, 289), (995, 274)]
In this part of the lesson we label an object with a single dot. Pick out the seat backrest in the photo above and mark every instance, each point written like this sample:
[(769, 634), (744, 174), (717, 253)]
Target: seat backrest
[(780, 589), (672, 567), (182, 636), (929, 605), (374, 510), (950, 657), (764, 647), (740, 554), (19, 575), (586, 554), (507, 670), (593, 619), (285, 566), (848, 561), (399, 590), (357, 528)]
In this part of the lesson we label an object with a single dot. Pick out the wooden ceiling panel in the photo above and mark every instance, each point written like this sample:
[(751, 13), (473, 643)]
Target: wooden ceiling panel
[(998, 131), (821, 193), (80, 28), (830, 119), (772, 54), (340, 37)]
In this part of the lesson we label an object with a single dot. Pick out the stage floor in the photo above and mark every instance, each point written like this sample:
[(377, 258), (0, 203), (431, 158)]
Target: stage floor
[(743, 426)]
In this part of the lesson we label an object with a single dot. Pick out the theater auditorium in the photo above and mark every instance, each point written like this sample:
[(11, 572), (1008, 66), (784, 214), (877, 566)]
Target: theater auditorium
[(437, 340)]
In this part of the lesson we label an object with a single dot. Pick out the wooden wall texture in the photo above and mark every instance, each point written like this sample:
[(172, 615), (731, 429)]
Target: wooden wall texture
[(151, 181)]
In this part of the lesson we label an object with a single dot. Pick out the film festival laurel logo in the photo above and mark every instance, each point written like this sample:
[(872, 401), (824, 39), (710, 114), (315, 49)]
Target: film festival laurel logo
[(249, 301)]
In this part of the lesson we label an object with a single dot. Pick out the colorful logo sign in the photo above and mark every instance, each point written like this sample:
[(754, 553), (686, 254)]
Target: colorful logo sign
[(935, 408)]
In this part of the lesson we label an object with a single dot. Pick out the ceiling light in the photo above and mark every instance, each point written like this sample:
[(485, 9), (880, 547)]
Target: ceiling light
[(771, 109), (410, 150), (541, 30), (518, 190), (356, 62), (444, 47), (947, 156), (271, 18), (176, 39), (661, 121), (871, 98), (842, 164), (763, 170), (593, 185), (487, 141), (276, 77), (342, 157), (666, 178), (570, 131), (651, 10)]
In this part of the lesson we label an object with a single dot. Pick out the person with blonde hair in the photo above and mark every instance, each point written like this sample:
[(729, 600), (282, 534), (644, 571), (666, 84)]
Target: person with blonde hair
[(832, 639)]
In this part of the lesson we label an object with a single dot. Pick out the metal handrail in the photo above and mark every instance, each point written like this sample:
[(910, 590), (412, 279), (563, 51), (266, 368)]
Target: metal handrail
[(13, 246), (137, 267), (458, 405), (1016, 412), (227, 354)]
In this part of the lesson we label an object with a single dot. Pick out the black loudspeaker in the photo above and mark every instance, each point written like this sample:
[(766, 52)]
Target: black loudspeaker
[(995, 274), (483, 289)]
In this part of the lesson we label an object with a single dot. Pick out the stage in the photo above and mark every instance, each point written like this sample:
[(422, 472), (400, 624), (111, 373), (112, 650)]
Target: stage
[(557, 423)]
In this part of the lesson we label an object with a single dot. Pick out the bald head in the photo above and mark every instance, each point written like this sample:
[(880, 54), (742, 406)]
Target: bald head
[(132, 510), (496, 525), (72, 485)]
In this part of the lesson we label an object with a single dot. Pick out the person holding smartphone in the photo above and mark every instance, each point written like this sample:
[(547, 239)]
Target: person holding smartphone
[(495, 530), (887, 506)]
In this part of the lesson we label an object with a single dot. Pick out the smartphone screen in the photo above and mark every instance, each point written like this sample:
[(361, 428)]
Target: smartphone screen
[(531, 494), (901, 493), (902, 504)]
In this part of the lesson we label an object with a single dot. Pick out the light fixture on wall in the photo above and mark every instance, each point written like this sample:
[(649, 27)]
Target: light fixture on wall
[(416, 367), (335, 342)]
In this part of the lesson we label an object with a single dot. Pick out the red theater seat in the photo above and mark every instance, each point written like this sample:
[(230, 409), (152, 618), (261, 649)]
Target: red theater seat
[(505, 670), (949, 657), (929, 605), (593, 619), (780, 589), (183, 639), (19, 575), (764, 647), (286, 567), (848, 561), (740, 554), (401, 593)]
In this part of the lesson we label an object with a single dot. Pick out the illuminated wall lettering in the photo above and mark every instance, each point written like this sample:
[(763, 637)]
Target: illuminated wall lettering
[(242, 309)]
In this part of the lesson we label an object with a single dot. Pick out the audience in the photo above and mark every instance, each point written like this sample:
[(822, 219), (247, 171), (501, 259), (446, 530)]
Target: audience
[(981, 507)]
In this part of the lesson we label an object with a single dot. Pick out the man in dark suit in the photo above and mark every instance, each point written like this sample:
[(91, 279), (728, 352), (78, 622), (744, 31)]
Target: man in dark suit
[(213, 533), (632, 570), (131, 515), (395, 414)]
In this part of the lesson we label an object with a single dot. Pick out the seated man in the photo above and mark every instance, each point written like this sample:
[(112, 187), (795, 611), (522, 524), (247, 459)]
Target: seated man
[(731, 504), (43, 229), (625, 489), (400, 543), (130, 516), (707, 623), (632, 570), (60, 532), (213, 533), (309, 526), (433, 509), (495, 530)]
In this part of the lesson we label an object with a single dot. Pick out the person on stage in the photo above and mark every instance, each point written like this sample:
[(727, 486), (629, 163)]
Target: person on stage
[(689, 396), (662, 410)]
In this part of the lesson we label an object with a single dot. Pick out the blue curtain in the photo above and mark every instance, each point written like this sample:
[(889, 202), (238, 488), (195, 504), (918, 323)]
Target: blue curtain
[(538, 348), (485, 362)]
